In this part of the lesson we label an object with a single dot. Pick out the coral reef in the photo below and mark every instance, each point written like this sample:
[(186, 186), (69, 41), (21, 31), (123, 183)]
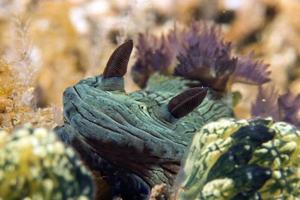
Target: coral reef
[(35, 165)]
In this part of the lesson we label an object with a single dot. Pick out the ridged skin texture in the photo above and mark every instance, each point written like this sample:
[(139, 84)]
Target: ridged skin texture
[(132, 140)]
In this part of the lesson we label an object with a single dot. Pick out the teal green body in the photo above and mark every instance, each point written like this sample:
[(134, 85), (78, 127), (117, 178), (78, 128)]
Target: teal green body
[(134, 134)]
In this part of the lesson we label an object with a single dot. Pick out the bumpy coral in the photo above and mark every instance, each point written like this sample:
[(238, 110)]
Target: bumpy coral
[(230, 159), (35, 165)]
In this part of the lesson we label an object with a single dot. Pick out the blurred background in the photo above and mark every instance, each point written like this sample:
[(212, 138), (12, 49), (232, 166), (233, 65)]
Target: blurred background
[(47, 45)]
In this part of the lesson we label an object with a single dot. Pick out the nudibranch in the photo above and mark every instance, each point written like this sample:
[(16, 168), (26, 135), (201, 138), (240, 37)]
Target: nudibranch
[(242, 159), (133, 141), (136, 140)]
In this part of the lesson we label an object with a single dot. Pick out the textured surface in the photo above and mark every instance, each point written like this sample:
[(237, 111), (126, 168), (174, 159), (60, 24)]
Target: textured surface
[(199, 53), (133, 132), (137, 140), (231, 159), (134, 141), (34, 164)]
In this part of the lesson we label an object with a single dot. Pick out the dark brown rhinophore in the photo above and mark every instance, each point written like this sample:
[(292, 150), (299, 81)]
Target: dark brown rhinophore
[(118, 61), (186, 101)]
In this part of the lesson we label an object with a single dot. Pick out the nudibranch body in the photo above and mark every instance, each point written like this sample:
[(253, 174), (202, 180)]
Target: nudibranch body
[(240, 159), (135, 140)]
